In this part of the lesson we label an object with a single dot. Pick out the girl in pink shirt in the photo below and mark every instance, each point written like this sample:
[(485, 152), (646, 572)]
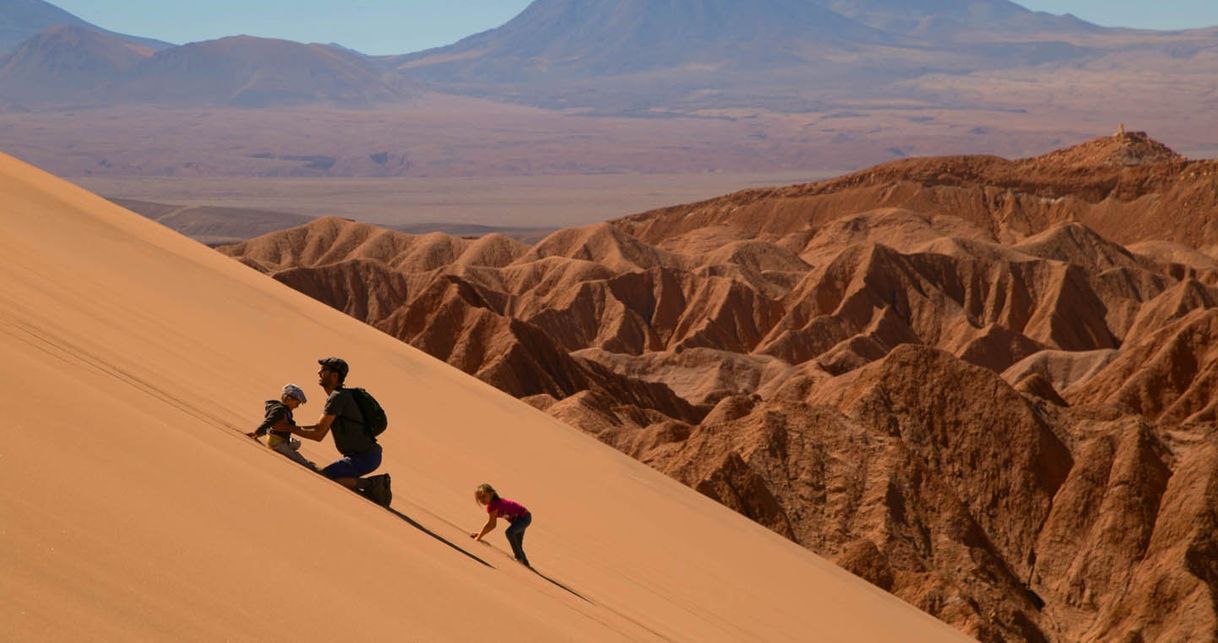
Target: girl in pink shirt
[(518, 517)]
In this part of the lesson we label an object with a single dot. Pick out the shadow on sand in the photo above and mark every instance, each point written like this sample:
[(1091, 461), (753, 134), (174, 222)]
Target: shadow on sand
[(562, 587), (411, 521), (407, 519)]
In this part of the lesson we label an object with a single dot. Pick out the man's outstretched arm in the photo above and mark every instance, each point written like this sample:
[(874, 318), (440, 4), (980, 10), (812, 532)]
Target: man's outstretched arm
[(317, 432)]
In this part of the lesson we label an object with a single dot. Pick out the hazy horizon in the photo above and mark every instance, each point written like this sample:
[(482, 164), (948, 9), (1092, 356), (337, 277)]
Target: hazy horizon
[(382, 27)]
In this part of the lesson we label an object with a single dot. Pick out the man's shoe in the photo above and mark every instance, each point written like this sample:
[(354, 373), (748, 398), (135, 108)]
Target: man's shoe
[(388, 491), (379, 490)]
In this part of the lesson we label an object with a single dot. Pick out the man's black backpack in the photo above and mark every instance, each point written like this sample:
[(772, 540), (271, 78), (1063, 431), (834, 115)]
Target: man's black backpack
[(375, 421)]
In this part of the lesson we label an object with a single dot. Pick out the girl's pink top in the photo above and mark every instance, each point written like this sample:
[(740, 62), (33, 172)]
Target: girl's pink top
[(504, 508)]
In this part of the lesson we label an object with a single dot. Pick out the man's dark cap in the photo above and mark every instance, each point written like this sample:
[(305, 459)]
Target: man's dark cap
[(336, 364)]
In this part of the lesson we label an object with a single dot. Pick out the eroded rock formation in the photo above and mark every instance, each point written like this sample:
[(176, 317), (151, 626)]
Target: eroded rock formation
[(986, 386)]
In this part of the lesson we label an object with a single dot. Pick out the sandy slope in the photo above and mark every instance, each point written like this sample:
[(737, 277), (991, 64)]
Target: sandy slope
[(132, 508)]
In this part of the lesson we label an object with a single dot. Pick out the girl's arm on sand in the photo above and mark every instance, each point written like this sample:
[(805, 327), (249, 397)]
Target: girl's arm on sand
[(486, 529)]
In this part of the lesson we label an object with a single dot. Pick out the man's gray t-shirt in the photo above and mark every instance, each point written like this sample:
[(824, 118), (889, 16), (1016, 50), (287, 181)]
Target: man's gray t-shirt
[(350, 437)]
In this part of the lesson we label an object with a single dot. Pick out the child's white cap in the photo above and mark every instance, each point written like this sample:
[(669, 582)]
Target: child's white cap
[(291, 390)]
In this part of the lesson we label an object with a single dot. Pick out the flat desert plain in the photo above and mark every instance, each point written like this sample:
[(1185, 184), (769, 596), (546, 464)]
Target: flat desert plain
[(547, 202), (450, 136), (134, 508)]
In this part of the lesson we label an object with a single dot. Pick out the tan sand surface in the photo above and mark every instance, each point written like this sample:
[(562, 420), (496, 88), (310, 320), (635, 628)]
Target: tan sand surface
[(134, 509)]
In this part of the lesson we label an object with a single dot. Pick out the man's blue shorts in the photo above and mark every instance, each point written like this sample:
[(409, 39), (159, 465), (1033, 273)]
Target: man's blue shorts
[(354, 466)]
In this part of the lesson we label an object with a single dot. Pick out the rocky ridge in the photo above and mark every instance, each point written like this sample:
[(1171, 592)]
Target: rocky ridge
[(984, 385)]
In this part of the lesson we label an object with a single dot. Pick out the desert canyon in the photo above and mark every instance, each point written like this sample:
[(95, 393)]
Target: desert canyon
[(986, 386)]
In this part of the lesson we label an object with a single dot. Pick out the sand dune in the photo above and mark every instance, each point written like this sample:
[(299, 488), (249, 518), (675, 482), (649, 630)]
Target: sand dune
[(135, 509)]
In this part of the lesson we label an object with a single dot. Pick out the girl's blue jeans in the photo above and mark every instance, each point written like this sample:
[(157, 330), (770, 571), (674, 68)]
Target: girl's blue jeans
[(515, 536)]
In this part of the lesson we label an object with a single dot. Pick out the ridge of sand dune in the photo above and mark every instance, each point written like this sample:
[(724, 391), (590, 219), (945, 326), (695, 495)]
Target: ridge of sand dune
[(825, 360), (134, 509)]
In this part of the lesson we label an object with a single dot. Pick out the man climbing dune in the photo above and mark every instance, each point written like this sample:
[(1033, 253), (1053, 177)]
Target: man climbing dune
[(343, 418)]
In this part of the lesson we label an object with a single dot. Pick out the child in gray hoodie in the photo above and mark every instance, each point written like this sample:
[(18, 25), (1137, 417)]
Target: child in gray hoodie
[(278, 423)]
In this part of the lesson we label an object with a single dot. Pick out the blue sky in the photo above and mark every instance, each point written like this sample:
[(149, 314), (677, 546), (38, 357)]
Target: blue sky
[(401, 26)]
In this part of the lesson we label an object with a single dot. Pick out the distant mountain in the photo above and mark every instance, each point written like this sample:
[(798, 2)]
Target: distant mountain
[(261, 72), (20, 20), (956, 18), (685, 55), (75, 65), (68, 63), (606, 37), (728, 85)]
